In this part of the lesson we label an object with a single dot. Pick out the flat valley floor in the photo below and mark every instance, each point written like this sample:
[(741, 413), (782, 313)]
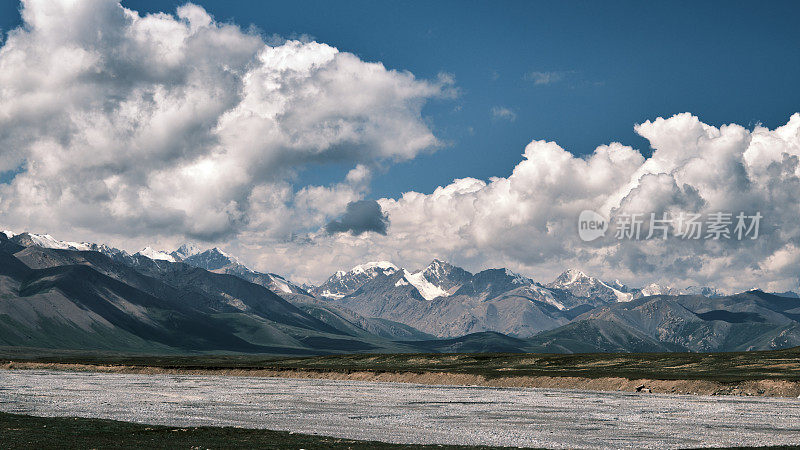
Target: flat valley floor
[(408, 413)]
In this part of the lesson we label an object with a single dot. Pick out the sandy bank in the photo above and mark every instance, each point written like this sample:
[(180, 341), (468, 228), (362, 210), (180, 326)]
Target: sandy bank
[(772, 388)]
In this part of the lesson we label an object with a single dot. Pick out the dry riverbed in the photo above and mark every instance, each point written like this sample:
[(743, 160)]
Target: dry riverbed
[(404, 413)]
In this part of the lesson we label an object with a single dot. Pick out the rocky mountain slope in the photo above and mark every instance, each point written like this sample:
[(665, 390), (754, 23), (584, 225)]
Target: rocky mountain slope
[(57, 298), (344, 283), (94, 295), (749, 321), (492, 300), (217, 261), (157, 263), (581, 285)]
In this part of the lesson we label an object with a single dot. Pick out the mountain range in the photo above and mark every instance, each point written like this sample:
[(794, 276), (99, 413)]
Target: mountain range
[(76, 295)]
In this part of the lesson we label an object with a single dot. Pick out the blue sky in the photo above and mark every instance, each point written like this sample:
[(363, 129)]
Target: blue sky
[(613, 64)]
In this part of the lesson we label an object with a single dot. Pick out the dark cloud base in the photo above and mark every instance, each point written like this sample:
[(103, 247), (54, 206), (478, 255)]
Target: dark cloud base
[(360, 217)]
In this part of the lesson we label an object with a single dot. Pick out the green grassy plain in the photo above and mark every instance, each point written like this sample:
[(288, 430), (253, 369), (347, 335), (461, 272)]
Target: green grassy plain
[(720, 367)]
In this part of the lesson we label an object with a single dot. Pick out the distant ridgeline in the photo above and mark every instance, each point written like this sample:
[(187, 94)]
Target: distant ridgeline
[(83, 296)]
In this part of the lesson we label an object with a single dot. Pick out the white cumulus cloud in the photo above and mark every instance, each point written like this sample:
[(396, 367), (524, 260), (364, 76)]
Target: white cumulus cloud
[(178, 125), (528, 220), (149, 129)]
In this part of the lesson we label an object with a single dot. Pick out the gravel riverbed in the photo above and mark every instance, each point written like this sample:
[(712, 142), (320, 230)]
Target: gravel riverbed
[(408, 413)]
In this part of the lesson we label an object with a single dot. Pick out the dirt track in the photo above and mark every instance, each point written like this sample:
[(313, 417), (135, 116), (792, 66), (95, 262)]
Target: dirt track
[(772, 388)]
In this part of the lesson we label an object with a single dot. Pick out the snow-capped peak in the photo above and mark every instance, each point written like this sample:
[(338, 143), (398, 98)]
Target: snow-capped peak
[(437, 264), (426, 289), (437, 269), (518, 279), (186, 250), (582, 285), (571, 277), (574, 275), (705, 291), (653, 289), (343, 283), (658, 289), (383, 266), (215, 259), (9, 234), (220, 252), (47, 241), (155, 255), (445, 276)]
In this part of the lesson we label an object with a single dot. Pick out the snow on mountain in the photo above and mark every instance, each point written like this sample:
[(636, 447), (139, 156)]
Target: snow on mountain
[(581, 285), (427, 290), (216, 260), (280, 284), (213, 259), (705, 291), (344, 283), (155, 255), (45, 240), (569, 277), (658, 289), (185, 251), (492, 300), (619, 286), (445, 275), (621, 296), (518, 279), (113, 253), (384, 266), (438, 279), (546, 295)]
